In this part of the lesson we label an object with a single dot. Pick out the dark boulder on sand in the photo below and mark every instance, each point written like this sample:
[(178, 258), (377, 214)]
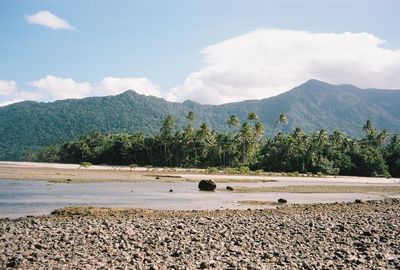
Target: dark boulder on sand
[(207, 185), (281, 200)]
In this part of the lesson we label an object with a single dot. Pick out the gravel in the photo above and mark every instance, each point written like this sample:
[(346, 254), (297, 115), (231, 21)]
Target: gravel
[(363, 235)]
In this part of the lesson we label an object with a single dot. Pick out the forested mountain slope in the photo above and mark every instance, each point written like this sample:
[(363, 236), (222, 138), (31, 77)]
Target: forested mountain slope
[(313, 105)]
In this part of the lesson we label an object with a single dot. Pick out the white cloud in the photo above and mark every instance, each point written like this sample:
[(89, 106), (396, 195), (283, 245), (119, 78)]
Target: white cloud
[(52, 88), (9, 93), (48, 19), (7, 87), (267, 62), (62, 88), (25, 95), (115, 85)]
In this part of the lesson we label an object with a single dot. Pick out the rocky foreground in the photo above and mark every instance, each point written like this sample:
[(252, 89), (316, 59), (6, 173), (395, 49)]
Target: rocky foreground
[(362, 235)]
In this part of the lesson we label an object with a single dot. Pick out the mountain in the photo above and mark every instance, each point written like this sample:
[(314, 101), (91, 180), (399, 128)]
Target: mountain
[(313, 105)]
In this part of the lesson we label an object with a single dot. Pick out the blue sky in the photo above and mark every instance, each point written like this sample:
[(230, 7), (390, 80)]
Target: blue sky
[(168, 44)]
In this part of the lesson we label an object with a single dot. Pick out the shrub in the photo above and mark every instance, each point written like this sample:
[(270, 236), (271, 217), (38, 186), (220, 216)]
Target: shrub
[(86, 164), (133, 166), (244, 170), (212, 170)]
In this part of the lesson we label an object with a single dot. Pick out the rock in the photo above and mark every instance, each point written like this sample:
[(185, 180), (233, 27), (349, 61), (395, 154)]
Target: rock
[(301, 237), (367, 233), (171, 190), (281, 200), (203, 265), (358, 201), (180, 226), (13, 262), (207, 185), (176, 253), (340, 227), (130, 231), (229, 188)]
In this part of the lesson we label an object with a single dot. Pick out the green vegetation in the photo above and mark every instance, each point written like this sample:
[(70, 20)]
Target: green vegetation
[(28, 126), (240, 150), (86, 164)]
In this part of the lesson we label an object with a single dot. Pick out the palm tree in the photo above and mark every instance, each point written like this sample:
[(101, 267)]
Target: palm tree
[(369, 128), (233, 121), (188, 141), (322, 137), (259, 129), (383, 137), (252, 116), (205, 139), (282, 119), (337, 138), (298, 134), (191, 117), (245, 138), (166, 133)]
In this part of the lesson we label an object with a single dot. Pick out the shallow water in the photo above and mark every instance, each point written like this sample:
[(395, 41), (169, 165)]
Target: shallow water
[(20, 198)]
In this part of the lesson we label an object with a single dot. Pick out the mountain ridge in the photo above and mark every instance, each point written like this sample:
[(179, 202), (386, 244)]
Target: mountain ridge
[(312, 105)]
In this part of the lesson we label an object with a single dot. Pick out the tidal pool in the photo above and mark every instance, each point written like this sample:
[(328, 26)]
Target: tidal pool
[(20, 198)]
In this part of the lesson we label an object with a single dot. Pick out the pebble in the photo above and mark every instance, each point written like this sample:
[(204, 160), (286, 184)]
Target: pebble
[(320, 236)]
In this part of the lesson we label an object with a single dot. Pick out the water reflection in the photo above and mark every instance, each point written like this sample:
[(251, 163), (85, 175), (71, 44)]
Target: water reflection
[(20, 198)]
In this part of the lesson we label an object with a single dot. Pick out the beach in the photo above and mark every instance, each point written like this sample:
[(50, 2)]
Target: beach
[(57, 172), (123, 218), (358, 235)]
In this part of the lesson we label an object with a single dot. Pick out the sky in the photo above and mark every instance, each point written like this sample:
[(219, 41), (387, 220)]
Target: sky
[(207, 51)]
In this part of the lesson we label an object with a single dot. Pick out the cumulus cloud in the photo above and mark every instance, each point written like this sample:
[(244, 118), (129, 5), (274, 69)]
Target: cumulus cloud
[(10, 94), (7, 87), (267, 62), (52, 88), (115, 85), (48, 19), (62, 88)]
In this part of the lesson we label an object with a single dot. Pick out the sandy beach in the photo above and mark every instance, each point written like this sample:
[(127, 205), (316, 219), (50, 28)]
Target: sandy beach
[(357, 235), (56, 172)]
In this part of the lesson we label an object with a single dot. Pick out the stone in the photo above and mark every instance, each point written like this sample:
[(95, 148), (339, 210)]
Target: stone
[(367, 233), (281, 200), (229, 188), (203, 265), (207, 185)]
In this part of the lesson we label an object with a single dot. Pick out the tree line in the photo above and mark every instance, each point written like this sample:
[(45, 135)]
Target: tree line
[(376, 154)]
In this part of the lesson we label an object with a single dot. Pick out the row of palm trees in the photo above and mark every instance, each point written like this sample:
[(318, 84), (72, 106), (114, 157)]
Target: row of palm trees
[(243, 145)]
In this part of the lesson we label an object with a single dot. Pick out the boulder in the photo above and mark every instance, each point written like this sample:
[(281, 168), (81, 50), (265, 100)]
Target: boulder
[(207, 185), (229, 188), (281, 200)]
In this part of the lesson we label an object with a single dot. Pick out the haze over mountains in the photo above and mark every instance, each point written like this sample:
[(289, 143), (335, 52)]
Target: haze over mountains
[(313, 105)]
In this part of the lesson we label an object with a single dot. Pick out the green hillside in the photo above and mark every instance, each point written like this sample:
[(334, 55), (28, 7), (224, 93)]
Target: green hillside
[(313, 105)]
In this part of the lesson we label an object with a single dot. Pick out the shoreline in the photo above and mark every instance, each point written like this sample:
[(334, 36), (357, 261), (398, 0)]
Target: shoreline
[(363, 235), (55, 172)]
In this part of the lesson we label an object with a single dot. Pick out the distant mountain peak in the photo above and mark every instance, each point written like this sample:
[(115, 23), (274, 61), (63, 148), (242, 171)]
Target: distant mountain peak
[(313, 105), (315, 82), (129, 92)]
